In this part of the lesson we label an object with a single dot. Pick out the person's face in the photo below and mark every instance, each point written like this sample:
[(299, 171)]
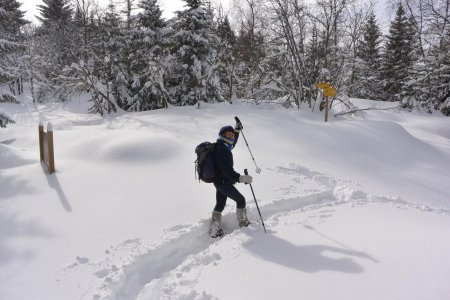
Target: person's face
[(230, 135)]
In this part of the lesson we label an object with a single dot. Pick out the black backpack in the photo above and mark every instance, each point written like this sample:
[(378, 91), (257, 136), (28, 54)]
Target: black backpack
[(205, 166)]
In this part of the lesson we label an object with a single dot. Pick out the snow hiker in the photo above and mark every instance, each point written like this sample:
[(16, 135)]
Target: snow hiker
[(225, 179)]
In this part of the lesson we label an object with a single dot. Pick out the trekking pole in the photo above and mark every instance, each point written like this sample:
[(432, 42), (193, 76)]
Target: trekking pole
[(258, 169), (257, 207)]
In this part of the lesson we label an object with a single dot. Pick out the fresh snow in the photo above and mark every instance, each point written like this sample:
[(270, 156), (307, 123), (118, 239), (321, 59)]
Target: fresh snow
[(356, 208)]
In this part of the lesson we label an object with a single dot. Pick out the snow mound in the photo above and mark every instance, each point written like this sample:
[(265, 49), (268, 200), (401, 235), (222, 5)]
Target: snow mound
[(11, 157), (133, 148)]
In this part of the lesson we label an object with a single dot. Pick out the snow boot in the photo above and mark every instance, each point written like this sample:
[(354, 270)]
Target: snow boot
[(214, 229), (241, 214)]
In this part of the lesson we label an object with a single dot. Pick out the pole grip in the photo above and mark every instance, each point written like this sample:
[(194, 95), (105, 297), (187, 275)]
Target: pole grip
[(245, 172), (237, 119)]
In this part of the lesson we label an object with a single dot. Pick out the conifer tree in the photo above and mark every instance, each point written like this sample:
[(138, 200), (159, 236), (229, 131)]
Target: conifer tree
[(368, 82), (109, 48), (438, 64), (11, 20), (416, 72), (226, 58), (193, 75), (11, 53), (55, 43), (12, 49), (249, 54), (54, 11), (97, 68), (148, 59), (398, 55)]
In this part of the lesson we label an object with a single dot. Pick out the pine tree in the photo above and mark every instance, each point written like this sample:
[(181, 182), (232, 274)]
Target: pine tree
[(110, 48), (11, 19), (249, 55), (98, 67), (11, 53), (415, 80), (398, 55), (54, 12), (148, 59), (193, 76), (57, 44), (313, 57), (368, 75), (226, 58), (12, 49), (438, 65)]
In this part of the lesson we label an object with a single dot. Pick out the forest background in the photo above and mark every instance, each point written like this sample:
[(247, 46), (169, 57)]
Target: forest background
[(128, 57)]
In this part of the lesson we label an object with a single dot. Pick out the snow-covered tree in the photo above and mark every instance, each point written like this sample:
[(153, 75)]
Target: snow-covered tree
[(193, 75), (250, 47), (148, 59), (334, 45), (430, 78), (11, 20), (12, 72), (397, 59), (54, 12), (226, 58), (5, 120), (56, 43), (368, 82), (108, 50)]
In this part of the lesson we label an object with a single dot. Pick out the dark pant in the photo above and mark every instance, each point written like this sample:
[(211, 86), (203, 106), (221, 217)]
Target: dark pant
[(227, 190)]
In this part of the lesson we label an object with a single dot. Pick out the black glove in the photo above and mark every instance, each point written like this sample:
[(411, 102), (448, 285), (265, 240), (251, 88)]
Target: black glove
[(238, 127)]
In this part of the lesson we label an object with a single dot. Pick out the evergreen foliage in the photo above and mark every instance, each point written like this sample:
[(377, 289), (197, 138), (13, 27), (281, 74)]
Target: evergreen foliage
[(193, 73), (133, 59), (11, 20), (148, 59), (369, 76), (12, 71), (250, 52), (56, 45), (226, 61), (398, 56), (5, 120), (54, 11)]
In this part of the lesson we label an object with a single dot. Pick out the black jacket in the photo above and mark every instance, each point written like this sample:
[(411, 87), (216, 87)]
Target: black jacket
[(224, 163)]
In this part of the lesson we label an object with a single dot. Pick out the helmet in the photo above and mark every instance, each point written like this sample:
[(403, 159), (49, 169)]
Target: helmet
[(222, 136), (225, 129)]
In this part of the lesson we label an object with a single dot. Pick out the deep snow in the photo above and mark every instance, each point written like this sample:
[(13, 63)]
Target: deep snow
[(356, 208)]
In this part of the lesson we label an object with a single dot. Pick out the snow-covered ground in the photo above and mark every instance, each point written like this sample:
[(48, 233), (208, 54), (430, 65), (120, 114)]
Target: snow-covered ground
[(356, 208)]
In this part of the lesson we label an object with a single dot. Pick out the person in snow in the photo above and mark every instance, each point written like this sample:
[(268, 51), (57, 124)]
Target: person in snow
[(225, 179)]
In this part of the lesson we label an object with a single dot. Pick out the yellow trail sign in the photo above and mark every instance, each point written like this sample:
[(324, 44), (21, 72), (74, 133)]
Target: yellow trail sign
[(329, 92), (322, 85)]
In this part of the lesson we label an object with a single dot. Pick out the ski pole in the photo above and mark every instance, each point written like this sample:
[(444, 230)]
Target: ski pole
[(257, 207), (258, 169)]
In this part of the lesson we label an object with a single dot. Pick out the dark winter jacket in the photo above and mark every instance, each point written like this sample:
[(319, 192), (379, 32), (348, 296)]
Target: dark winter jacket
[(224, 164)]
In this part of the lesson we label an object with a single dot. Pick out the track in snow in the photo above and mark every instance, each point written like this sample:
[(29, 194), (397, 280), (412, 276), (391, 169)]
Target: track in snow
[(185, 245)]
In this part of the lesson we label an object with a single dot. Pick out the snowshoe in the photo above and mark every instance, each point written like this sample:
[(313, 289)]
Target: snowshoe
[(241, 214), (214, 229)]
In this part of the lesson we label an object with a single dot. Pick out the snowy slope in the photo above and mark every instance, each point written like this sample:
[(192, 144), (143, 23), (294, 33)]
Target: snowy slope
[(356, 208)]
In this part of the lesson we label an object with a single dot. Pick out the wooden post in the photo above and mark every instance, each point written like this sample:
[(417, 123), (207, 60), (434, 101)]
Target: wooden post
[(51, 153), (326, 108), (46, 151), (41, 141)]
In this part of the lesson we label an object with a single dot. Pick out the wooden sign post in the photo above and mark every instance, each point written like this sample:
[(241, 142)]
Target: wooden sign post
[(46, 151), (328, 91)]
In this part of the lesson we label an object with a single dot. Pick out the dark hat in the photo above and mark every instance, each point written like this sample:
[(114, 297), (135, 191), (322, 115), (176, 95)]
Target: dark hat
[(225, 129)]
